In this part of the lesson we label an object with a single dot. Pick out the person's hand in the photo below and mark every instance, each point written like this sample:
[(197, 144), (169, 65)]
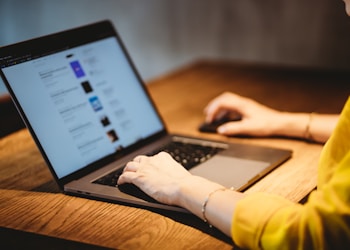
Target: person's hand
[(257, 119), (159, 176)]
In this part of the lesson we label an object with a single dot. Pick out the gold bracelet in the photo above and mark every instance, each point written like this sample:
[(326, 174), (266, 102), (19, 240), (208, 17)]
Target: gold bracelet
[(308, 135), (204, 206)]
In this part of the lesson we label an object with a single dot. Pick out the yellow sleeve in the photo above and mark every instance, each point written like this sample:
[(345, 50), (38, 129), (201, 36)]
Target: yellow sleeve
[(265, 221)]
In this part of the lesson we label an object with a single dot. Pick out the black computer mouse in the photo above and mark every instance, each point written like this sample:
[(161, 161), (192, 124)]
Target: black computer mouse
[(212, 127)]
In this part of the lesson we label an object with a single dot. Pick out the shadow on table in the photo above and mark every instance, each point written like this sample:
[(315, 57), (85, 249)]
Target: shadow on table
[(15, 239)]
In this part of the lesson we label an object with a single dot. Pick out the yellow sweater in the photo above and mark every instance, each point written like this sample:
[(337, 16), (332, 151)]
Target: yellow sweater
[(323, 222)]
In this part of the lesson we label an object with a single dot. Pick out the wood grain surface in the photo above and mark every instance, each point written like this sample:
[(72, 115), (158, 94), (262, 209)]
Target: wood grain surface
[(31, 202)]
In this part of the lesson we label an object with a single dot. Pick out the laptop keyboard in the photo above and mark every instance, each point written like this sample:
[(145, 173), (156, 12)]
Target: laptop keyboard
[(188, 155)]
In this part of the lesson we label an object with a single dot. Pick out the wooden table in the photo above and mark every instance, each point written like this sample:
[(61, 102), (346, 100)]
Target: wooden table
[(30, 201)]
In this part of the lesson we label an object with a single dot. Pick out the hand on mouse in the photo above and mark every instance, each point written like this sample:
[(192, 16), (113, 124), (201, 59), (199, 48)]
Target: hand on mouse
[(260, 120), (256, 119)]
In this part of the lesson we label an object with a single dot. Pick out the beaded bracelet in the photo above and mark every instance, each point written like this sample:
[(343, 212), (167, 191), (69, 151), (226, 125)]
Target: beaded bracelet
[(204, 206)]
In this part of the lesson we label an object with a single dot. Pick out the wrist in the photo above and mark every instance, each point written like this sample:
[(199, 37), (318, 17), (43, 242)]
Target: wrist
[(292, 124), (193, 191)]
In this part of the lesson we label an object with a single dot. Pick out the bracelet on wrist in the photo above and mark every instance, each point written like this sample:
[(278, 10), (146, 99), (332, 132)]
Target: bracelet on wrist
[(204, 205), (307, 135)]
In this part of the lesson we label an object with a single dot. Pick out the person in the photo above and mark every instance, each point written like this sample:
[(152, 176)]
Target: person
[(261, 220)]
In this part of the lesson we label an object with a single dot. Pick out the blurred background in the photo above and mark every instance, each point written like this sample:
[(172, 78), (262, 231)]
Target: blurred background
[(162, 35)]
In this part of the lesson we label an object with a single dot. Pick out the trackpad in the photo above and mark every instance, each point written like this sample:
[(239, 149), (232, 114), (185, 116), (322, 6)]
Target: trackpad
[(230, 171)]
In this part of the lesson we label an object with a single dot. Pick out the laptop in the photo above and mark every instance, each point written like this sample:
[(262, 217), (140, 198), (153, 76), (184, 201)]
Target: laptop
[(89, 113)]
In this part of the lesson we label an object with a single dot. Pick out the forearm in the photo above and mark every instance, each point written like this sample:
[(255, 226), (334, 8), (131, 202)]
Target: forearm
[(310, 126), (220, 202)]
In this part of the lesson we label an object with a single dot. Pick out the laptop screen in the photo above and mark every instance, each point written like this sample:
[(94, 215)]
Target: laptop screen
[(83, 102)]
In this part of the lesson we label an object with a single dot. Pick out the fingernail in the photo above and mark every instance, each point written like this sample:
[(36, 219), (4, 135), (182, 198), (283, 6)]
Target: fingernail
[(221, 129)]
